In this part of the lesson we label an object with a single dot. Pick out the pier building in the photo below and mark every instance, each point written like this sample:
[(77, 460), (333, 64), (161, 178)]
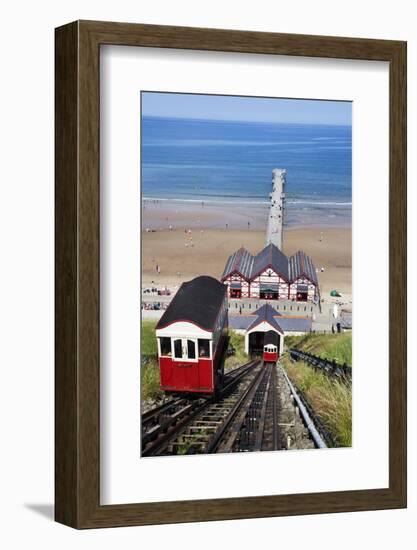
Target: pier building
[(271, 275)]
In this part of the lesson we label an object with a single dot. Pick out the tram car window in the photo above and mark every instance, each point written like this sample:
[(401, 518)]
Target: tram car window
[(191, 349), (165, 344), (195, 328), (204, 348)]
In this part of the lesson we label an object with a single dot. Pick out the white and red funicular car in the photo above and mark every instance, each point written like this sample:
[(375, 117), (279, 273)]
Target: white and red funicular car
[(192, 338)]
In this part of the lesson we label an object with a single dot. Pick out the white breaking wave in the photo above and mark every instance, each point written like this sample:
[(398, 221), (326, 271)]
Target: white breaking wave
[(319, 203), (239, 200), (242, 200)]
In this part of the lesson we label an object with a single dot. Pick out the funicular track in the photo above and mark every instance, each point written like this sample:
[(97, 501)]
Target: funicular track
[(248, 416), (244, 418), (162, 424), (254, 424)]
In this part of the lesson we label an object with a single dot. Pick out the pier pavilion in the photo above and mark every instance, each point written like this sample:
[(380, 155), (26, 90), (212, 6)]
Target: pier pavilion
[(271, 275)]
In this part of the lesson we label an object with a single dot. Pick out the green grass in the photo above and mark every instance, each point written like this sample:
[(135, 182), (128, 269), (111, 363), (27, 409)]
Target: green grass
[(336, 347), (148, 339), (330, 399), (239, 358), (149, 372)]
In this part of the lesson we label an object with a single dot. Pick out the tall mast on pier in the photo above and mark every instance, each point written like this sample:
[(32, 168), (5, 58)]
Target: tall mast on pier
[(274, 232)]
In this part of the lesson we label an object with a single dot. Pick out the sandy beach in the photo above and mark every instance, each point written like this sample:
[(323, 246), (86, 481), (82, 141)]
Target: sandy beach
[(159, 214), (194, 248)]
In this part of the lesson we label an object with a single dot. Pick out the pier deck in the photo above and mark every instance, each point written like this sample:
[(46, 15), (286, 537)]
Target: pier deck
[(274, 229)]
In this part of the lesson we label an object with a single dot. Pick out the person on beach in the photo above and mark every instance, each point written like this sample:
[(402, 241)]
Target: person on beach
[(248, 226), (158, 269)]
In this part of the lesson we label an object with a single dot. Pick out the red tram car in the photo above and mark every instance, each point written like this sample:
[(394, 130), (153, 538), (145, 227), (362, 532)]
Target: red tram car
[(271, 342), (270, 354), (192, 337)]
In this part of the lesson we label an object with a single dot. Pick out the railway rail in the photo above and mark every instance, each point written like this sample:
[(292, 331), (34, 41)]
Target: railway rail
[(330, 368), (245, 418), (246, 427), (161, 424)]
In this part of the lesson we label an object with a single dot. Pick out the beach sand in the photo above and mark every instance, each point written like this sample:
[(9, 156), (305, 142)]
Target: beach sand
[(211, 247), (161, 214)]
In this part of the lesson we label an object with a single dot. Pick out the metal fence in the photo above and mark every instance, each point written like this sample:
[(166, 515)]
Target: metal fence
[(329, 367)]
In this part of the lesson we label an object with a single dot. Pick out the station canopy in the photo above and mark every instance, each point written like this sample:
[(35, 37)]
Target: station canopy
[(267, 314)]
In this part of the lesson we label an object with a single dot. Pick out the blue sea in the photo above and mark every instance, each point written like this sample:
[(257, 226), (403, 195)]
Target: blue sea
[(231, 163)]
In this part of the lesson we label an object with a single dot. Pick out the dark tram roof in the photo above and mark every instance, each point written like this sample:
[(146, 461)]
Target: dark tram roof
[(290, 268), (197, 301), (266, 313)]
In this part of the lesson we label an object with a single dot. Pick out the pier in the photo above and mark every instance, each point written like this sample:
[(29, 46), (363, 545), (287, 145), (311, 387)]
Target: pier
[(276, 210)]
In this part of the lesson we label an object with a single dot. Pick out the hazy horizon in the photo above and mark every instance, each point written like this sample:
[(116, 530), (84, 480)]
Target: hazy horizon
[(262, 110)]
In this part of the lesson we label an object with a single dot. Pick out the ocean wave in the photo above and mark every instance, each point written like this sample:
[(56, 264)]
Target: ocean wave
[(213, 201), (220, 142), (319, 203), (247, 201)]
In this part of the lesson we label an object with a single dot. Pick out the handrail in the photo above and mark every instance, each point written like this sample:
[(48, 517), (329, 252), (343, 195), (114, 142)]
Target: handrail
[(318, 440), (330, 367)]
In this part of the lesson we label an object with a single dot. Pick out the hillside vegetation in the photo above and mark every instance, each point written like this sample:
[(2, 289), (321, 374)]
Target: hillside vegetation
[(148, 338), (330, 399), (149, 369), (237, 341), (337, 347)]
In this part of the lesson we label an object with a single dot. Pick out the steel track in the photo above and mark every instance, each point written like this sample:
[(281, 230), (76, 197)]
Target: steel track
[(162, 424), (244, 419)]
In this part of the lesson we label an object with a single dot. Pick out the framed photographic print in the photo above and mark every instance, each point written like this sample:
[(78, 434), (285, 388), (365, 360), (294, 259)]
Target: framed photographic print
[(230, 274)]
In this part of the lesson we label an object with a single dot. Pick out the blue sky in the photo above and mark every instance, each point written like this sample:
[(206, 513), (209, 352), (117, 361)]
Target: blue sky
[(251, 109)]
